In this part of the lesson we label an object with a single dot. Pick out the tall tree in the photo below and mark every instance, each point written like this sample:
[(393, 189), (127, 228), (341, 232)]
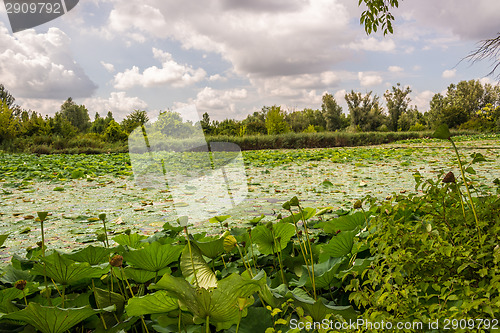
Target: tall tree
[(77, 115), (134, 119), (6, 97), (366, 113), (397, 102), (332, 112), (275, 121)]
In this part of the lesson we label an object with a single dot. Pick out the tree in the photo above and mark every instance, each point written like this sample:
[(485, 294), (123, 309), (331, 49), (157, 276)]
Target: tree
[(377, 14), (397, 104), (98, 125), (9, 123), (332, 112), (205, 124), (6, 97), (488, 50), (275, 121), (77, 115), (114, 132), (366, 113), (171, 124), (133, 120)]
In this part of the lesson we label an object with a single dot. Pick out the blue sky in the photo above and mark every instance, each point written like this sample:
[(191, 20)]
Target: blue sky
[(231, 57)]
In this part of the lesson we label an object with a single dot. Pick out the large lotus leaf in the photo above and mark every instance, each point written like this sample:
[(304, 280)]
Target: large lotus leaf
[(11, 274), (10, 294), (343, 223), (205, 277), (138, 275), (219, 304), (442, 132), (153, 257), (270, 242), (106, 298), (306, 214), (325, 274), (132, 240), (340, 245), (212, 248), (317, 309), (94, 255), (66, 271), (51, 319), (258, 319), (159, 302)]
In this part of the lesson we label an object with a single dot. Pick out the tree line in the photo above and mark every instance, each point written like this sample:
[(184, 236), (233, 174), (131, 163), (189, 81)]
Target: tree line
[(467, 105)]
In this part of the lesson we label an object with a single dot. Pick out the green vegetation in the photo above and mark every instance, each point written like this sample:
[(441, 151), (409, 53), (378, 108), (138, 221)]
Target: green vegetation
[(413, 257), (467, 106)]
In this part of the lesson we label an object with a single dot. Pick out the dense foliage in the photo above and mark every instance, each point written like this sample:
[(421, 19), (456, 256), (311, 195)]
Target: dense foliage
[(416, 257), (468, 105)]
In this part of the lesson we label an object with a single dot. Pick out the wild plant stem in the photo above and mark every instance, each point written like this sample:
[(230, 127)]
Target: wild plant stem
[(310, 251), (467, 188), (247, 267), (302, 248), (238, 324), (191, 257), (207, 329)]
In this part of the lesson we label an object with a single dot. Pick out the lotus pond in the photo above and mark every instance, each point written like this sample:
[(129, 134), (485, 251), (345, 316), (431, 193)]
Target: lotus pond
[(75, 189), (329, 235)]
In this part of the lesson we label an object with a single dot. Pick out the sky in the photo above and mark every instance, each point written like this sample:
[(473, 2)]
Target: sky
[(232, 57)]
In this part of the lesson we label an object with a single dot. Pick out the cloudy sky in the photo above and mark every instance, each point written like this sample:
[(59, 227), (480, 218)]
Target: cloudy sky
[(231, 57)]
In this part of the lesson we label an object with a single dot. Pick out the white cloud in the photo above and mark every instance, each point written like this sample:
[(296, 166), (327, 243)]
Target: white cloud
[(217, 77), (449, 73), (118, 103), (368, 80), (373, 44), (422, 99), (41, 65), (220, 104), (266, 41), (108, 67), (170, 73), (395, 69)]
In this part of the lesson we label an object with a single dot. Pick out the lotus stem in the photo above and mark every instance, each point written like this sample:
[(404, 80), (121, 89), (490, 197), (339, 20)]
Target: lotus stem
[(310, 251), (467, 188), (191, 257)]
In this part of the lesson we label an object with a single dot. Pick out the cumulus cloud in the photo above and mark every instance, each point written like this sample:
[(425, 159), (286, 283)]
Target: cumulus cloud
[(422, 99), (274, 39), (368, 80), (373, 44), (118, 103), (449, 73), (170, 73), (41, 65), (395, 69), (108, 67)]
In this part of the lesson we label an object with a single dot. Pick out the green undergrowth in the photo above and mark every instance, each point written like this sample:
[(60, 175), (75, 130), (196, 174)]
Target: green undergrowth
[(92, 144)]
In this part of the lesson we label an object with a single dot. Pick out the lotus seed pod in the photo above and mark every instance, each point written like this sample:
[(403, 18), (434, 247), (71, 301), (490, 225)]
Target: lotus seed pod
[(116, 261), (449, 178)]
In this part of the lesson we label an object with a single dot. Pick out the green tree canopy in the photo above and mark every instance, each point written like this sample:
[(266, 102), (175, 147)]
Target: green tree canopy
[(77, 115), (397, 102), (135, 119), (275, 121), (332, 112)]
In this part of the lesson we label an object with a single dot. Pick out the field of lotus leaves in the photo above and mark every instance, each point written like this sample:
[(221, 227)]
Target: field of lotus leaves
[(290, 250)]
